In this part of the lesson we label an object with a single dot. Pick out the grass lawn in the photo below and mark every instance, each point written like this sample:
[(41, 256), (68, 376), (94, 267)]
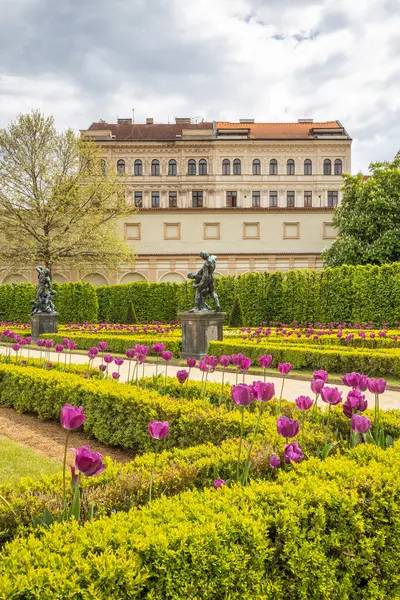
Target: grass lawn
[(18, 460)]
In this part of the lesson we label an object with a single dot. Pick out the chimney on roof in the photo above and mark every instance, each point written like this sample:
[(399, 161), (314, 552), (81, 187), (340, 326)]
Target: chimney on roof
[(249, 121), (183, 120), (124, 121), (305, 120), (149, 121)]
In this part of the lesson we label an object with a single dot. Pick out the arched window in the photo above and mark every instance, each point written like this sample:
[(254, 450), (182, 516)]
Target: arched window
[(273, 167), (137, 167), (338, 166), (103, 167), (155, 167), (121, 167), (307, 167), (191, 167), (226, 167), (172, 167), (327, 167), (291, 169), (256, 167), (202, 167), (237, 166)]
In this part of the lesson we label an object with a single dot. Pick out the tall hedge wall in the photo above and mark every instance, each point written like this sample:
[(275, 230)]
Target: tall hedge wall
[(75, 302)]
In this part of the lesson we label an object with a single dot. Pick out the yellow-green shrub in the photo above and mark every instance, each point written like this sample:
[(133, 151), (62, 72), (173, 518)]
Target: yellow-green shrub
[(323, 530)]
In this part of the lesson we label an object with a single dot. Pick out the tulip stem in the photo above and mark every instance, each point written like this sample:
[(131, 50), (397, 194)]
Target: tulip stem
[(151, 475), (240, 444), (302, 426), (280, 397), (222, 387), (129, 369), (265, 374), (64, 482), (157, 365), (255, 433)]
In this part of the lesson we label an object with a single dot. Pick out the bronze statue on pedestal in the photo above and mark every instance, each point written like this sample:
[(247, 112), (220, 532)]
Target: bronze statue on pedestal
[(204, 284)]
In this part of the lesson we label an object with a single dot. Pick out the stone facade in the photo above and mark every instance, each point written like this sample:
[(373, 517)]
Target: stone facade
[(260, 196)]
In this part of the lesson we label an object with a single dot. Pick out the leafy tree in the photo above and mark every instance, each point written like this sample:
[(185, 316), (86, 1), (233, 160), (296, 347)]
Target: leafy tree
[(368, 219), (58, 203), (236, 318)]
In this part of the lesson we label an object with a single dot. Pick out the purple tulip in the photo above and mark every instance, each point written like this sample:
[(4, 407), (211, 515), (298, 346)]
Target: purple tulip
[(48, 343), (293, 453), (59, 348), (360, 424), (219, 483), (242, 394), (28, 339), (24, 362), (203, 366), (108, 359), (357, 400), (237, 359), (166, 355), (287, 428), (211, 362), (16, 347), (224, 361), (376, 386), (102, 346), (87, 462), (263, 392), (119, 361), (158, 429), (91, 356), (71, 345), (321, 374), (158, 348), (284, 368), (72, 417), (304, 402), (191, 362), (115, 375), (331, 395), (48, 365), (102, 368), (274, 461), (93, 350), (130, 353), (182, 375), (244, 364), (352, 379), (265, 361), (317, 385)]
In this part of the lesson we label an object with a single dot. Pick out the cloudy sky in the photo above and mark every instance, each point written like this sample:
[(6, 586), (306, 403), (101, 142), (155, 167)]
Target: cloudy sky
[(272, 60)]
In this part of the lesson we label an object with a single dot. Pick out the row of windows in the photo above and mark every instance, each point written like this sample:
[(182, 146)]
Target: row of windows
[(231, 199), (201, 168), (212, 231)]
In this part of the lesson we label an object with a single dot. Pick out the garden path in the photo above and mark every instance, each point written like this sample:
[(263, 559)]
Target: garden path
[(293, 387)]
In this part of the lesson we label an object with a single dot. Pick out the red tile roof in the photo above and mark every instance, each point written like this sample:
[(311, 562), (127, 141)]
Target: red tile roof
[(275, 131)]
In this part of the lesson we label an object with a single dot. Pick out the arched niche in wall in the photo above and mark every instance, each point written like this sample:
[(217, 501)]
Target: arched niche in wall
[(15, 278), (172, 278), (131, 277), (58, 278), (95, 279)]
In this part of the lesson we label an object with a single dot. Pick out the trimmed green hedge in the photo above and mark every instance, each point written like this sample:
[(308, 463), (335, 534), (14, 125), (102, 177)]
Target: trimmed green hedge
[(337, 360), (322, 530), (75, 302)]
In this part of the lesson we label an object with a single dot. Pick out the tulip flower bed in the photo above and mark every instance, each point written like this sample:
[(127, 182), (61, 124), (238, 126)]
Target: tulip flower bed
[(315, 532), (338, 360), (76, 369)]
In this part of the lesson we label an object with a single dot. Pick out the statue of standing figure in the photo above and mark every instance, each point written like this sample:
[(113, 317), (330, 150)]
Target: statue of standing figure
[(43, 302), (204, 284)]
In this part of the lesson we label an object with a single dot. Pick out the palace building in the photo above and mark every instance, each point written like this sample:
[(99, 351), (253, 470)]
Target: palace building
[(259, 196)]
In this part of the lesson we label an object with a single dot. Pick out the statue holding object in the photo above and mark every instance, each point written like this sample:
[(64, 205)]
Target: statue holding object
[(43, 301), (204, 284)]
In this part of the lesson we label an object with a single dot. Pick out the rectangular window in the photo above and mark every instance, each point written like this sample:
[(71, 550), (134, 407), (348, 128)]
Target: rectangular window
[(139, 199), (307, 199), (290, 199), (251, 231), (173, 199), (172, 231), (273, 199), (333, 198), (155, 199), (197, 199), (231, 199), (256, 199), (132, 231)]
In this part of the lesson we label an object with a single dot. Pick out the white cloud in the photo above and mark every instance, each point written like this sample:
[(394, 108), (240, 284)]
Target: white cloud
[(221, 59)]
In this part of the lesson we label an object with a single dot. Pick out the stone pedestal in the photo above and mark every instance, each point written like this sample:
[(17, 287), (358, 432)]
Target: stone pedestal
[(198, 329), (43, 323)]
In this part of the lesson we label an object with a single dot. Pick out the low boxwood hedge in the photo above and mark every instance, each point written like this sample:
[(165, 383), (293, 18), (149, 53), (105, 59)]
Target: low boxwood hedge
[(322, 530)]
